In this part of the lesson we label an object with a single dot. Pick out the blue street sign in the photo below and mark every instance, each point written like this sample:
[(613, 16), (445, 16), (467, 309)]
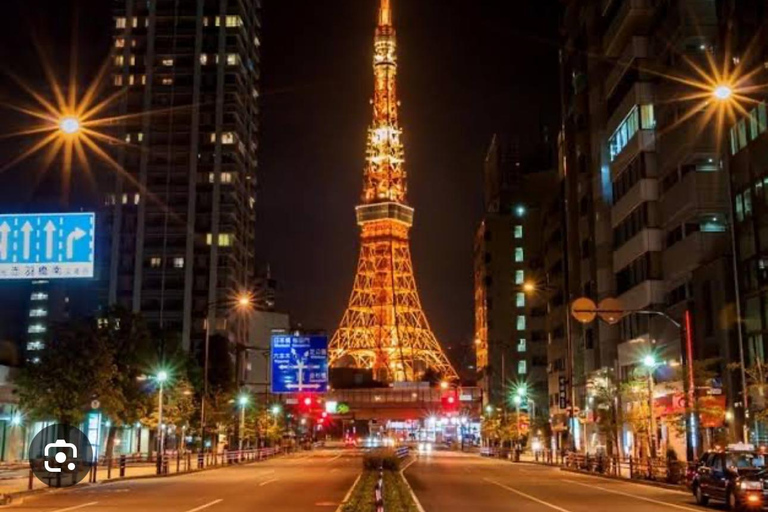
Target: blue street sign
[(47, 245), (299, 364)]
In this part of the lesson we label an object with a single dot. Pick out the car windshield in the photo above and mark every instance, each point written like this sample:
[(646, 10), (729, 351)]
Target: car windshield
[(746, 460)]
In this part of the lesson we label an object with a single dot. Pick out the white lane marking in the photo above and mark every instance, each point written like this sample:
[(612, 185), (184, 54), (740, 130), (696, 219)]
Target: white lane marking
[(410, 489), (349, 493), (265, 482), (76, 507), (201, 507), (335, 458), (334, 470), (408, 465), (643, 498), (524, 495), (627, 482)]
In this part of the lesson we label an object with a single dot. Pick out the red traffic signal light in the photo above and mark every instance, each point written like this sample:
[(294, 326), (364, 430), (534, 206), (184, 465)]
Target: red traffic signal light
[(450, 401)]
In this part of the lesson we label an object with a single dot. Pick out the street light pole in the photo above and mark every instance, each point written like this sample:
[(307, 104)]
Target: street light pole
[(161, 377), (243, 401)]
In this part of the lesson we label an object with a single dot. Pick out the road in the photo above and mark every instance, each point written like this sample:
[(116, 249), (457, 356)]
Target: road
[(455, 482), (298, 483)]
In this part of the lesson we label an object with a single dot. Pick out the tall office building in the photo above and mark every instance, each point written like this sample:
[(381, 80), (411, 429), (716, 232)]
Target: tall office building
[(510, 276), (646, 199), (181, 218)]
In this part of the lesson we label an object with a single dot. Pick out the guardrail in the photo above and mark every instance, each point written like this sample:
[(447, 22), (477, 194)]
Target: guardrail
[(658, 470), (123, 466)]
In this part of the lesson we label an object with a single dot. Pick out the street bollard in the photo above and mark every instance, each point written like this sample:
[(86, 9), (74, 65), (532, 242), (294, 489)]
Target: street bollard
[(200, 460), (31, 482), (122, 466), (178, 460), (109, 469)]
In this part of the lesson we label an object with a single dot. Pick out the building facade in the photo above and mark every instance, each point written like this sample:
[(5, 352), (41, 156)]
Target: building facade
[(645, 197), (181, 218), (510, 277)]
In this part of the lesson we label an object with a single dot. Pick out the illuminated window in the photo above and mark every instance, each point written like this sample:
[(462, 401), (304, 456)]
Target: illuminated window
[(136, 198), (39, 296), (518, 231), (226, 177), (133, 60), (522, 367), (213, 139), (36, 329), (178, 262), (232, 59), (203, 59), (35, 345), (140, 136), (118, 80), (125, 198), (234, 21), (135, 22), (167, 81), (167, 62), (119, 60), (225, 239), (521, 345), (520, 299), (228, 138), (38, 312), (120, 23), (519, 276), (519, 256), (637, 119), (130, 79), (143, 79), (155, 262), (520, 322), (206, 21), (120, 42)]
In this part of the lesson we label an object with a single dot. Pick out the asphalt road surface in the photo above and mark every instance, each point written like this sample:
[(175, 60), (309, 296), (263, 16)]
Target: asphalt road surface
[(454, 482), (305, 482)]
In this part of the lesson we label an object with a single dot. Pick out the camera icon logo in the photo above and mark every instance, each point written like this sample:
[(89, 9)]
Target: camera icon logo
[(61, 456)]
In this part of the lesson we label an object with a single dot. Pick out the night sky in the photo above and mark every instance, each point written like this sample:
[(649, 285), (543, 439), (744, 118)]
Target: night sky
[(468, 68)]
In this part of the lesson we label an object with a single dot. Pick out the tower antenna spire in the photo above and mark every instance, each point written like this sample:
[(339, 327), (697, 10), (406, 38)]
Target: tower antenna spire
[(385, 13)]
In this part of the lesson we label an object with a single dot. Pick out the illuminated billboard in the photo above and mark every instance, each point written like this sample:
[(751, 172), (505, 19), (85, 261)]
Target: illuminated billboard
[(299, 364), (47, 245)]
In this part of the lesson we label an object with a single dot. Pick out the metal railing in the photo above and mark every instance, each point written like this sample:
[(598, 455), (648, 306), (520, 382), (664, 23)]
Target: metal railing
[(133, 466), (635, 468)]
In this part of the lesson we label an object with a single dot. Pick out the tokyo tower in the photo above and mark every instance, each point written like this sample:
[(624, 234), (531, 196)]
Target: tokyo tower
[(384, 327)]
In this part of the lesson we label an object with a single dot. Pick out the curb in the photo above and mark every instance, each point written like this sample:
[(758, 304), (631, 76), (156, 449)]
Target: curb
[(648, 483), (16, 498)]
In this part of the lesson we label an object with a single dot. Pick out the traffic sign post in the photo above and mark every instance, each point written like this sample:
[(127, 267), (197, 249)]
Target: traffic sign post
[(47, 246), (299, 364)]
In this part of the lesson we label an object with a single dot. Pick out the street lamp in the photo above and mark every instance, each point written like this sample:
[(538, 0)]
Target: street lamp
[(160, 378), (722, 92), (529, 287), (276, 409), (243, 401), (649, 361), (245, 300), (69, 125)]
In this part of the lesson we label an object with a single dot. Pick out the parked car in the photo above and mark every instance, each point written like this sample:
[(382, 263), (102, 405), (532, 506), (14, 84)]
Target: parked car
[(736, 476)]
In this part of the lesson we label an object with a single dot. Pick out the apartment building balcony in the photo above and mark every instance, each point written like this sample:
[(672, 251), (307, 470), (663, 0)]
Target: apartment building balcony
[(689, 253), (632, 16), (647, 240), (703, 192), (687, 141), (646, 189), (634, 53), (643, 295)]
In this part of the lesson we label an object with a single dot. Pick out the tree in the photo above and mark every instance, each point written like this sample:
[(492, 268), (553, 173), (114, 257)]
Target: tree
[(607, 411), (75, 368)]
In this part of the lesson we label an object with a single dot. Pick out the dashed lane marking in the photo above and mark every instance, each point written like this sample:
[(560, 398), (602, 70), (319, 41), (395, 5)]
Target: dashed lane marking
[(201, 507), (265, 482), (76, 507), (635, 496), (525, 495)]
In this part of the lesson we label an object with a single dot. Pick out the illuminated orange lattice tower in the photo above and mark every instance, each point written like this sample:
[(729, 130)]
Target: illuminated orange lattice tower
[(384, 327)]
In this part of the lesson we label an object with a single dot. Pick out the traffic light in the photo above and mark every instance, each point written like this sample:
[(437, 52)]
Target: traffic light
[(450, 401)]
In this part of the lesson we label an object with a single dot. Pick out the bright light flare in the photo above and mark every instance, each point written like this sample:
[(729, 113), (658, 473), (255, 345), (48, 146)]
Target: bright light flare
[(69, 125), (723, 92)]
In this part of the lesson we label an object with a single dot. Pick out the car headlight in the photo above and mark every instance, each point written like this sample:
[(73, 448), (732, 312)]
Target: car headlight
[(421, 447), (751, 485)]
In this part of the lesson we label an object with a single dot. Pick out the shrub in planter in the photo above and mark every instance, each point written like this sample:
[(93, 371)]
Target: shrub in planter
[(381, 458)]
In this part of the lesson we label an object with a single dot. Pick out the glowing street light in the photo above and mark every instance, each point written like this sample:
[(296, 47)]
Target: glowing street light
[(69, 125), (276, 409), (162, 376), (529, 287), (722, 92), (649, 361)]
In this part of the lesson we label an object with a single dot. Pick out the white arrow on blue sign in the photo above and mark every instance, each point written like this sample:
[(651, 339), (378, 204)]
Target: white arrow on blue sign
[(47, 245)]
